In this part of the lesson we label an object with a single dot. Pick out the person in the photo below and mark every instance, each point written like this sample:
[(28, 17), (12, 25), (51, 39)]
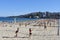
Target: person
[(16, 32), (30, 32), (44, 25)]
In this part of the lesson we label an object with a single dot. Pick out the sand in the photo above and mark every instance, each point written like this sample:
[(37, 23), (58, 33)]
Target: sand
[(7, 30)]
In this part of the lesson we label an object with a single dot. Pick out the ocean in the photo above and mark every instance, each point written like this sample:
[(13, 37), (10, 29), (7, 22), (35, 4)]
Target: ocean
[(4, 19)]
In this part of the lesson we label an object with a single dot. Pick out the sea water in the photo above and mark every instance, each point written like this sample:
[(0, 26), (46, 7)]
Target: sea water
[(4, 19)]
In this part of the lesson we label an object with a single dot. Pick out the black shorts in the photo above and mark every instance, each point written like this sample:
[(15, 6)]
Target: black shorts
[(30, 33)]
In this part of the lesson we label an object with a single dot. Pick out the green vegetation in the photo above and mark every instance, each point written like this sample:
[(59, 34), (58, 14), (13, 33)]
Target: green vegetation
[(55, 15)]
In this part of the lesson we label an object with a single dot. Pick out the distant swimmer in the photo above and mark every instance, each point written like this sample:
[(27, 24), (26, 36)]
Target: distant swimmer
[(30, 32), (16, 32)]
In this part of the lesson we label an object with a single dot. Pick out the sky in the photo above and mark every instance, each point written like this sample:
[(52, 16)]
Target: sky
[(21, 7)]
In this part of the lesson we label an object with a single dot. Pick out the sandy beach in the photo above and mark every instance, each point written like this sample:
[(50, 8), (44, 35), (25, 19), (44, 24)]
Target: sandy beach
[(39, 32)]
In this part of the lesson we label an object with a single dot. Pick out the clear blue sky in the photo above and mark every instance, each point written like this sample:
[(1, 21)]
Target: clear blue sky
[(20, 7)]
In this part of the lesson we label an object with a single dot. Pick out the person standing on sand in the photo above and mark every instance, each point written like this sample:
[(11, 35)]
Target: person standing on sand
[(45, 25), (16, 32), (30, 32)]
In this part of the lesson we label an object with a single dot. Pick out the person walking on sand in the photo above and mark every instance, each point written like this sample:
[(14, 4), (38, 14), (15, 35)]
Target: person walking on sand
[(30, 32), (45, 25), (16, 32)]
